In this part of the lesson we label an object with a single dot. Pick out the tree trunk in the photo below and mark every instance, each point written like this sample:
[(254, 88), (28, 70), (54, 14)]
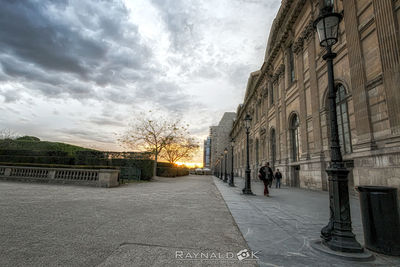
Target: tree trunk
[(155, 164)]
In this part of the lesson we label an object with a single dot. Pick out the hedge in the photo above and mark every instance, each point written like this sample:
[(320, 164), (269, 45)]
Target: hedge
[(165, 164), (40, 146), (171, 172), (57, 166), (18, 152), (37, 159)]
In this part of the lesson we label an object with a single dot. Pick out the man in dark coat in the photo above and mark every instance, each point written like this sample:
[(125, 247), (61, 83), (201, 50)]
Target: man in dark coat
[(278, 177), (264, 174), (263, 177)]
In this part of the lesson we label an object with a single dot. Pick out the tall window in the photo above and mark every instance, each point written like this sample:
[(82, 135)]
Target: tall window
[(294, 131), (291, 65), (271, 95), (272, 139), (343, 119)]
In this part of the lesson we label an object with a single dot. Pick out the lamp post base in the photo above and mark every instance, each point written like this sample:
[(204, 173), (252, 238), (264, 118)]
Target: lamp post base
[(346, 244), (247, 191), (231, 180), (320, 245)]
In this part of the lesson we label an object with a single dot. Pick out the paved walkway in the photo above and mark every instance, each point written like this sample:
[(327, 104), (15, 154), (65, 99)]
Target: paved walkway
[(282, 226), (141, 224)]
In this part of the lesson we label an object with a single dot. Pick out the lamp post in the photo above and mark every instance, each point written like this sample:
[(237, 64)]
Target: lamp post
[(337, 235), (226, 161), (231, 180), (217, 168), (247, 189), (222, 173)]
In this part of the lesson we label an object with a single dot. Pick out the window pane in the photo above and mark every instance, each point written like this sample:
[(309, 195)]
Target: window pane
[(339, 119)]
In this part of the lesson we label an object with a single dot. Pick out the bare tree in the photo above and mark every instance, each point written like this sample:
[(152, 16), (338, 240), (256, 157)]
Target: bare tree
[(6, 137), (7, 134), (151, 133), (181, 148)]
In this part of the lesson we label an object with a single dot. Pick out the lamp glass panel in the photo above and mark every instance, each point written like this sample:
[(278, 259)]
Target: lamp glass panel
[(327, 29), (247, 123)]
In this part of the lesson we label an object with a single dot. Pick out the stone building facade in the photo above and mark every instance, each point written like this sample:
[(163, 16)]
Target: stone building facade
[(220, 140), (207, 153), (287, 97)]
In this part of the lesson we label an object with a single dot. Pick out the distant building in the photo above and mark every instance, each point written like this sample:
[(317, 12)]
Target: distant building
[(207, 153), (220, 140)]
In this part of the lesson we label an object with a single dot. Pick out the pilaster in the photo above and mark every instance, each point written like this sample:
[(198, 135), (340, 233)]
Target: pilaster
[(316, 120), (358, 79), (388, 39)]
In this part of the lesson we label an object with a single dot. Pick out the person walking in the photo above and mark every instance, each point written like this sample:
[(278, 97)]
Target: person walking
[(263, 177), (270, 174), (278, 177)]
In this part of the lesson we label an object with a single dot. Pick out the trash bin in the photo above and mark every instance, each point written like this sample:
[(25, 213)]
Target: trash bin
[(380, 218)]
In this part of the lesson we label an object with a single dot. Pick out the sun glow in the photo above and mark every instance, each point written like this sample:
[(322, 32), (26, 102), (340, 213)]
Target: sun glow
[(190, 164)]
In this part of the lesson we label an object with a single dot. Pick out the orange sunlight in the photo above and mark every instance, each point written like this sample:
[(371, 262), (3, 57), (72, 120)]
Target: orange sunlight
[(190, 164)]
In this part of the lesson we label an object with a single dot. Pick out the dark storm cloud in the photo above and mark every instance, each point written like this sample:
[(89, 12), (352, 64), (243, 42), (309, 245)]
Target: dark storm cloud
[(30, 34), (76, 49)]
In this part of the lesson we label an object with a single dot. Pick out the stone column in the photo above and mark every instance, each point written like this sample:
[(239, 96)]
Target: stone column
[(7, 172), (388, 40), (358, 79), (284, 140), (277, 130), (303, 107)]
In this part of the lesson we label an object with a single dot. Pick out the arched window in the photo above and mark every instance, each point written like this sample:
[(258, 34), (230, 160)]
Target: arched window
[(343, 119), (272, 141), (294, 136)]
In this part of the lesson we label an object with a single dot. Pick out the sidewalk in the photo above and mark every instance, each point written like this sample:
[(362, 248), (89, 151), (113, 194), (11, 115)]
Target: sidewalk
[(282, 226)]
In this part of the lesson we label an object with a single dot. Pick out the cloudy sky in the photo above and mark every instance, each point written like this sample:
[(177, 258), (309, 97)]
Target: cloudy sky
[(78, 71)]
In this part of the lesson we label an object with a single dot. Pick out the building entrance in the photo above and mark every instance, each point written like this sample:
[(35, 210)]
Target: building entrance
[(295, 176)]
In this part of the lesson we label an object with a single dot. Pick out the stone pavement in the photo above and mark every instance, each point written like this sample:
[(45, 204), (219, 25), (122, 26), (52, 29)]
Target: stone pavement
[(139, 224), (282, 226)]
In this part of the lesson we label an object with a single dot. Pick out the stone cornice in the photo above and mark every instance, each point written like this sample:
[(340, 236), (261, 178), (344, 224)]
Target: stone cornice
[(280, 71), (287, 15), (282, 25), (305, 35)]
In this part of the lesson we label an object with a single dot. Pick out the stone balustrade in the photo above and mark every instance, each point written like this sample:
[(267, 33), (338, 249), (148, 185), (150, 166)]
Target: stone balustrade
[(92, 177)]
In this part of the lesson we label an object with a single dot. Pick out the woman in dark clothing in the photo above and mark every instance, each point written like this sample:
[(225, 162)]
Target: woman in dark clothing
[(264, 175)]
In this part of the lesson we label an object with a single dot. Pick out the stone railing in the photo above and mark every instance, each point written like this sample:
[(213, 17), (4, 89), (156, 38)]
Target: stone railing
[(93, 177)]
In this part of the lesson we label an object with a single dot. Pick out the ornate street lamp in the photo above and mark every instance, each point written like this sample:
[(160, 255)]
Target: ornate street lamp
[(247, 188), (231, 180), (226, 161), (337, 235)]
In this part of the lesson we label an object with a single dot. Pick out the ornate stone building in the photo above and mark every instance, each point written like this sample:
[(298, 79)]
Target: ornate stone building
[(287, 97)]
